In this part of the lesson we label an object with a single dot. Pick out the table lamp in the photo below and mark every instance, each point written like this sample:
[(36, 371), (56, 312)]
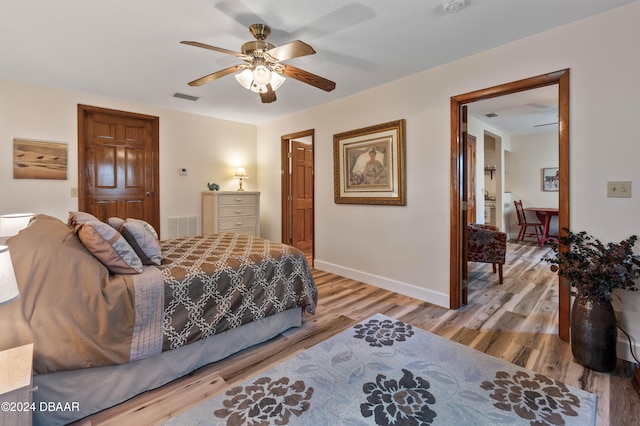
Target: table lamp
[(241, 174), (11, 224), (8, 284)]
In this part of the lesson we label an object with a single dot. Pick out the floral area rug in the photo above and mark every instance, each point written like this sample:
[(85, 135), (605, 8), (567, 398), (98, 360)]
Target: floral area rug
[(385, 372)]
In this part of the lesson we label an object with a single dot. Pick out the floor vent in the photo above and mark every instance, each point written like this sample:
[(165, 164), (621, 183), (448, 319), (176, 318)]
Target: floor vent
[(183, 226)]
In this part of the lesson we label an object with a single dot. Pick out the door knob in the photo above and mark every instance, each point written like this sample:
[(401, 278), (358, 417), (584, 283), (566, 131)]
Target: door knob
[(149, 194)]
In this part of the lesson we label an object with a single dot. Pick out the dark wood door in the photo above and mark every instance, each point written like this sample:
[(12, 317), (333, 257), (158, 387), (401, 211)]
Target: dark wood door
[(302, 196), (118, 164), (471, 178)]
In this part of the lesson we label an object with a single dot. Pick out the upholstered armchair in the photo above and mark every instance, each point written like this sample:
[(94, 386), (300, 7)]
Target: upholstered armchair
[(488, 245)]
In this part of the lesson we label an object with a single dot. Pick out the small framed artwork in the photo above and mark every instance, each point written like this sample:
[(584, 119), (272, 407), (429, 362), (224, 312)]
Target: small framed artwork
[(39, 159), (369, 165), (550, 179)]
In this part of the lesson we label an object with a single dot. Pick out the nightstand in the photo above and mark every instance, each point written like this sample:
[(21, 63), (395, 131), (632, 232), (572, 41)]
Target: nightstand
[(16, 385)]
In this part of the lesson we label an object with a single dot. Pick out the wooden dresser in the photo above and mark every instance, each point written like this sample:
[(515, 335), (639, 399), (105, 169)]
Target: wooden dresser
[(231, 211)]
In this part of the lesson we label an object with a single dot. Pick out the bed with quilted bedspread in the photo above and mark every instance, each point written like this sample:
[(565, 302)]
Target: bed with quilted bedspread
[(80, 315)]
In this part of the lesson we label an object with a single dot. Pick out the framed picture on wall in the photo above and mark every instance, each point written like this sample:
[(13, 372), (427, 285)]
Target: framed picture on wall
[(550, 179), (369, 165), (39, 159)]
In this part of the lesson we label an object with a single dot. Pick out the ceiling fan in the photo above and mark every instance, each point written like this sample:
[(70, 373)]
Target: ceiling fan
[(263, 69)]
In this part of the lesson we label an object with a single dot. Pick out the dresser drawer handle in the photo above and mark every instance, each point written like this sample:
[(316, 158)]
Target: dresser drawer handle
[(238, 211), (238, 223)]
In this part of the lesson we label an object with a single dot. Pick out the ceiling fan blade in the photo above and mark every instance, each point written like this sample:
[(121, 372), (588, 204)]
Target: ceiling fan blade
[(291, 50), (268, 96), (307, 77), (216, 75), (216, 49)]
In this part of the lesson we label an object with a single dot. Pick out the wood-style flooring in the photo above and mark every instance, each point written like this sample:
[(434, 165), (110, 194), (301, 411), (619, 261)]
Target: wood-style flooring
[(516, 321)]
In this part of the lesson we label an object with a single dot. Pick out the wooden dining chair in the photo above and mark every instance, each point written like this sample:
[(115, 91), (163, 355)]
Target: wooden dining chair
[(526, 225)]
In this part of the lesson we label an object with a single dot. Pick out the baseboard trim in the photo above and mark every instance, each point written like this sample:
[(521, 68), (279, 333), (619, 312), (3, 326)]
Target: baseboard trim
[(420, 293)]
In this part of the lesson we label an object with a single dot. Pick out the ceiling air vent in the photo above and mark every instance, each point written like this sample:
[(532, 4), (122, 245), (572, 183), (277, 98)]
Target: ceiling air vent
[(491, 115), (184, 96)]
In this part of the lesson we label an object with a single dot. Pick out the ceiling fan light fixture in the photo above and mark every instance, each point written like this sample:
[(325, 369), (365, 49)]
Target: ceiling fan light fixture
[(262, 71), (261, 75), (245, 78), (259, 88), (276, 81)]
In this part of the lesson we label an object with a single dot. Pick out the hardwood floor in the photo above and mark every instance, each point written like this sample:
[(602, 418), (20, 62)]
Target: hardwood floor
[(516, 321)]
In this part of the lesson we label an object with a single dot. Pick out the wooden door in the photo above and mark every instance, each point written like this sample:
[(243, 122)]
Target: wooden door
[(118, 164), (302, 196), (298, 227), (470, 176)]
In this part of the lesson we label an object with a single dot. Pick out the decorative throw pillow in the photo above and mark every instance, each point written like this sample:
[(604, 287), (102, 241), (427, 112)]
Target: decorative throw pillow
[(144, 243), (109, 247), (116, 223), (78, 218), (148, 227)]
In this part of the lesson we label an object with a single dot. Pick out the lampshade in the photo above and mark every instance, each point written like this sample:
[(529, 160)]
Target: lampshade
[(241, 174), (11, 224), (8, 284), (262, 75)]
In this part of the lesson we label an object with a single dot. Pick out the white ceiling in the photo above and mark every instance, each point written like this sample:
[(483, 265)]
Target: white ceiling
[(129, 49), (528, 112)]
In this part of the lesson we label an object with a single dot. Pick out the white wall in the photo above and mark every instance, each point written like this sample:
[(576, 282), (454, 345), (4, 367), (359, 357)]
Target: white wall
[(209, 148), (528, 156), (407, 248), (502, 140)]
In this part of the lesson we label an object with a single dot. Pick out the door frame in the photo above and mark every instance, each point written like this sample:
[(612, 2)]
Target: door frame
[(561, 78), (286, 184)]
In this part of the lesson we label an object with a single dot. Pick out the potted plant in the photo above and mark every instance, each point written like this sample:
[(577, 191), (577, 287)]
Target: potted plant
[(595, 270)]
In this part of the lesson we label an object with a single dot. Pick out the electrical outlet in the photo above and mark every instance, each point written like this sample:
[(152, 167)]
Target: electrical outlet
[(619, 189)]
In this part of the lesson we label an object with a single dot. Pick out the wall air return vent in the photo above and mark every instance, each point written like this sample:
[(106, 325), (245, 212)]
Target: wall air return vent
[(185, 96)]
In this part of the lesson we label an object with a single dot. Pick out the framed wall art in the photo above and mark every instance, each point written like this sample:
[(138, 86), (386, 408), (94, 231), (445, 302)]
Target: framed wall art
[(39, 159), (551, 179), (369, 165)]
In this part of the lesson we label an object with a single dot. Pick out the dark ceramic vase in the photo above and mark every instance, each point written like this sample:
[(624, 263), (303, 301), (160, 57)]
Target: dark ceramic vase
[(594, 334)]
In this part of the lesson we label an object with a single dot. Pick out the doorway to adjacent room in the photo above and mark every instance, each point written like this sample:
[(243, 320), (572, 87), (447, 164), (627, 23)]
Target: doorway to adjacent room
[(298, 190), (458, 222)]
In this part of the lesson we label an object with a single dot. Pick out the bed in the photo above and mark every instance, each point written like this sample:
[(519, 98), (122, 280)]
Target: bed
[(107, 326)]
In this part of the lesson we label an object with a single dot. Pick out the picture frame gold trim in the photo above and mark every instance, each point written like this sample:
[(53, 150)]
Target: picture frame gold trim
[(369, 165)]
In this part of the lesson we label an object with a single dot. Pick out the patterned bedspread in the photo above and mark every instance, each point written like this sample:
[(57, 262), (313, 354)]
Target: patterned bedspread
[(221, 281), (81, 316)]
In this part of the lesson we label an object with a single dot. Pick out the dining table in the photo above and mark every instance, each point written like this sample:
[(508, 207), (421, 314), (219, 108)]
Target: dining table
[(544, 215)]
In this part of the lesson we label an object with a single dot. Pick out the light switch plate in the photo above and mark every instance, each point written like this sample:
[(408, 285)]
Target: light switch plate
[(619, 189)]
